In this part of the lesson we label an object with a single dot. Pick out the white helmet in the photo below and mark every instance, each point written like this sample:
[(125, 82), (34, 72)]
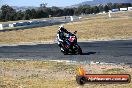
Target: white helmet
[(61, 26)]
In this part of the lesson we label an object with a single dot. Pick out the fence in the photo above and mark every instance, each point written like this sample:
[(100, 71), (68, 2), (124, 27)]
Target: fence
[(33, 23)]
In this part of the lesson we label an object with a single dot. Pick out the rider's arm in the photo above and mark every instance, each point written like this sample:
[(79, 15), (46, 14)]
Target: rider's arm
[(66, 30)]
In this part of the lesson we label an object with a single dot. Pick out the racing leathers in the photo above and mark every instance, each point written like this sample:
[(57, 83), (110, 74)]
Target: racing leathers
[(61, 35)]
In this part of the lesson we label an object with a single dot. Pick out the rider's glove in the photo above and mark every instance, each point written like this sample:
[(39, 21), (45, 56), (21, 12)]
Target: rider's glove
[(60, 40)]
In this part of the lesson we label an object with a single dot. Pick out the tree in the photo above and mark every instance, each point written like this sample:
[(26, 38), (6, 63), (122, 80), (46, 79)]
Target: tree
[(57, 11), (41, 14), (43, 5), (8, 13), (68, 11), (33, 14), (88, 10), (27, 15), (125, 5), (1, 16), (101, 8), (115, 5), (106, 8), (80, 10), (109, 5), (76, 12), (48, 11), (95, 9)]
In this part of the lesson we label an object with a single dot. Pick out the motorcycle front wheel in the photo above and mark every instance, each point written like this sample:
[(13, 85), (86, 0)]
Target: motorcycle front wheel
[(78, 50)]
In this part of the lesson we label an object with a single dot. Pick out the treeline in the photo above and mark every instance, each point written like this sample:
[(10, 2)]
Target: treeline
[(86, 9), (7, 13)]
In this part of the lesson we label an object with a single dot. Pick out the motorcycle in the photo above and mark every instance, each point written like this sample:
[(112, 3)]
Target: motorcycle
[(70, 45)]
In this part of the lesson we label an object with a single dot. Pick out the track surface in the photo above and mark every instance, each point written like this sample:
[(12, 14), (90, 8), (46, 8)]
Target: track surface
[(103, 51)]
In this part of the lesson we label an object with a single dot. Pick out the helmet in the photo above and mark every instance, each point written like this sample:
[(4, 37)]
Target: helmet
[(61, 26)]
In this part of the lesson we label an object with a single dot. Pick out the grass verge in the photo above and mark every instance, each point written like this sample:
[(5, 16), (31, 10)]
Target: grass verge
[(97, 27), (49, 74)]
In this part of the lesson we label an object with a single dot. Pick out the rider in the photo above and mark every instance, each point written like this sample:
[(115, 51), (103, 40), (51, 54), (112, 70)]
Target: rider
[(61, 34)]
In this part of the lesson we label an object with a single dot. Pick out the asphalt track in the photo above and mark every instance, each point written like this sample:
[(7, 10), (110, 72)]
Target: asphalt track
[(102, 51)]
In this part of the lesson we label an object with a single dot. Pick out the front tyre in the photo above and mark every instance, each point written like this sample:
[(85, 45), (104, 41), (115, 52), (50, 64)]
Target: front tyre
[(78, 50)]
